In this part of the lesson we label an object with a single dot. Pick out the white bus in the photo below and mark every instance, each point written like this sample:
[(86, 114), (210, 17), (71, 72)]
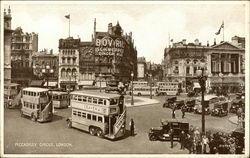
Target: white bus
[(37, 104), (103, 114), (139, 84), (167, 88), (12, 95), (144, 91), (60, 99)]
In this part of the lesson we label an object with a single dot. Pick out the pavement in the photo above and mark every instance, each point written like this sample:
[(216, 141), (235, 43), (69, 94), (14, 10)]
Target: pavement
[(233, 119), (139, 101)]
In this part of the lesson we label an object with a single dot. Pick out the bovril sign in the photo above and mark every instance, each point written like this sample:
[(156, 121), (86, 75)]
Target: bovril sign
[(109, 46)]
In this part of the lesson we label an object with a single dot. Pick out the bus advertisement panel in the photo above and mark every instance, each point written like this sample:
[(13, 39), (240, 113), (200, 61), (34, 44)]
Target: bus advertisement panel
[(36, 104), (103, 114)]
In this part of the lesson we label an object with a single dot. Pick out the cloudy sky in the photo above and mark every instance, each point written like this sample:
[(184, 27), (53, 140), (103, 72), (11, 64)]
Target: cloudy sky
[(150, 22)]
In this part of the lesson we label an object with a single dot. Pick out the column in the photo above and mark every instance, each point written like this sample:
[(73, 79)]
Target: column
[(239, 64), (209, 62)]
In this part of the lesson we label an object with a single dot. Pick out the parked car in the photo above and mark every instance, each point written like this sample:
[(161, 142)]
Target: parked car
[(237, 103), (162, 132), (169, 102), (209, 101), (220, 109), (190, 105), (179, 103)]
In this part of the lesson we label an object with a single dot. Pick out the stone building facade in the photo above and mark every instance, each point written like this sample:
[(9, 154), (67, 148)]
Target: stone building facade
[(22, 47), (7, 46), (224, 63)]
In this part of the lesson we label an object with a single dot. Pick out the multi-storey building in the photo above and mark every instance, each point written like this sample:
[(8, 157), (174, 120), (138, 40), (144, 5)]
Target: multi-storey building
[(7, 46), (43, 58), (23, 44), (110, 55), (224, 63), (141, 68), (68, 63)]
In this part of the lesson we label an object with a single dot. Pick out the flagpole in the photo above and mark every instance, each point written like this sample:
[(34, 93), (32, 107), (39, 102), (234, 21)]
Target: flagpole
[(223, 30), (69, 26)]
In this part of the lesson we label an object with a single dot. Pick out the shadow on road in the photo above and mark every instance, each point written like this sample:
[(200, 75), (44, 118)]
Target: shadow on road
[(56, 118)]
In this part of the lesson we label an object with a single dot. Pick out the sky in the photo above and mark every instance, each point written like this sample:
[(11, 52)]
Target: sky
[(152, 24)]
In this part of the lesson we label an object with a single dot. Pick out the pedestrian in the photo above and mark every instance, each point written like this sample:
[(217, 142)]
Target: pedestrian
[(183, 110), (132, 127), (198, 147), (204, 142), (182, 139), (171, 133), (173, 112)]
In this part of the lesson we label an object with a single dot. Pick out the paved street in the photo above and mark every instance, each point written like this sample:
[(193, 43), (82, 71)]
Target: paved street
[(24, 136)]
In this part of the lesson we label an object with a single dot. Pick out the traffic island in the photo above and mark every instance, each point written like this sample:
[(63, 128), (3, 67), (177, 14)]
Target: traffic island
[(139, 101)]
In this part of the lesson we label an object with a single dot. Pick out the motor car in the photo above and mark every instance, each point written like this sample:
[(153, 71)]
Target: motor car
[(209, 101), (220, 109), (169, 102), (237, 103), (162, 132), (189, 106), (179, 103)]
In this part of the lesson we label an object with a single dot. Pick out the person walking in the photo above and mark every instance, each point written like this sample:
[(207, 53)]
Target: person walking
[(173, 112), (182, 139), (132, 127), (171, 133), (204, 142), (183, 110)]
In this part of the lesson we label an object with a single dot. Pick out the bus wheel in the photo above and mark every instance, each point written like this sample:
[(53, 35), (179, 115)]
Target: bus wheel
[(99, 132), (69, 124), (92, 131), (152, 137), (33, 117)]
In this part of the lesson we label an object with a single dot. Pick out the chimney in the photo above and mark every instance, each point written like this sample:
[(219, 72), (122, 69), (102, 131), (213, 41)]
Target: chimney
[(110, 28), (184, 41), (51, 51), (4, 11), (215, 41), (207, 43), (196, 42)]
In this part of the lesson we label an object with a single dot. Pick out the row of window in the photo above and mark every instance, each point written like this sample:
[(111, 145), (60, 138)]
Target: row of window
[(144, 89), (68, 52), (35, 93), (60, 97), (30, 105), (163, 89), (87, 116), (93, 100)]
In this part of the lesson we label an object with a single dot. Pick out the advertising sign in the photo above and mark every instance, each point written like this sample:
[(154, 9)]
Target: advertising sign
[(109, 46)]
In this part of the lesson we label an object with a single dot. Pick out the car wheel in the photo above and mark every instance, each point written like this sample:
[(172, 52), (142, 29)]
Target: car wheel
[(99, 133), (152, 137), (92, 131)]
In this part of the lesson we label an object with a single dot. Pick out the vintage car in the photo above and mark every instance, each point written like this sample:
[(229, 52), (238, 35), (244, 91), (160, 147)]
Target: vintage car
[(189, 106), (209, 101), (169, 102), (179, 103), (237, 103), (162, 132), (220, 109)]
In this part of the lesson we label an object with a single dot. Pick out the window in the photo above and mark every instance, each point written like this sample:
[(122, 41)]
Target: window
[(84, 99), (89, 116), (113, 101), (105, 102), (74, 112), (99, 119), (94, 117), (89, 100), (79, 98), (84, 115), (79, 113), (75, 97), (100, 101), (95, 100)]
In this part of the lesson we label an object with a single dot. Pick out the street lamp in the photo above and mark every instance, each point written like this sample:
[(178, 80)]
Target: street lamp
[(150, 76), (202, 81), (100, 75), (132, 87), (47, 71)]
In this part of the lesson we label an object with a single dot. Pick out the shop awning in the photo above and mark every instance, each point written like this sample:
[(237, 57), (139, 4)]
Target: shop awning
[(36, 83), (50, 84)]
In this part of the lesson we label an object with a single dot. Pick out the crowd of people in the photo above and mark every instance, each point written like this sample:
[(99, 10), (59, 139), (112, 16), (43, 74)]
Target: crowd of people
[(210, 143)]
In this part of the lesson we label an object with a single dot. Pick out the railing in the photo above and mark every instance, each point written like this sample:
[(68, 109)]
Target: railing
[(119, 122)]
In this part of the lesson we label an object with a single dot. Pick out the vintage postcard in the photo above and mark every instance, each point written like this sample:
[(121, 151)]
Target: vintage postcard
[(124, 78)]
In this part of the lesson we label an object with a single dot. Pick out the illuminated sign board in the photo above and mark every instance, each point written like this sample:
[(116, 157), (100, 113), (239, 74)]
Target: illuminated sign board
[(109, 46)]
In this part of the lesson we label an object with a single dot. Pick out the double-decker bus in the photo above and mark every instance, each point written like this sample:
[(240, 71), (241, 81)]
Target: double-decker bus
[(139, 84), (167, 88), (12, 95), (103, 114), (144, 91), (37, 104), (60, 99)]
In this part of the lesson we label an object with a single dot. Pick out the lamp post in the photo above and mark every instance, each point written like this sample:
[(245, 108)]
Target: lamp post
[(100, 75), (202, 81), (132, 87), (150, 77), (47, 71)]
